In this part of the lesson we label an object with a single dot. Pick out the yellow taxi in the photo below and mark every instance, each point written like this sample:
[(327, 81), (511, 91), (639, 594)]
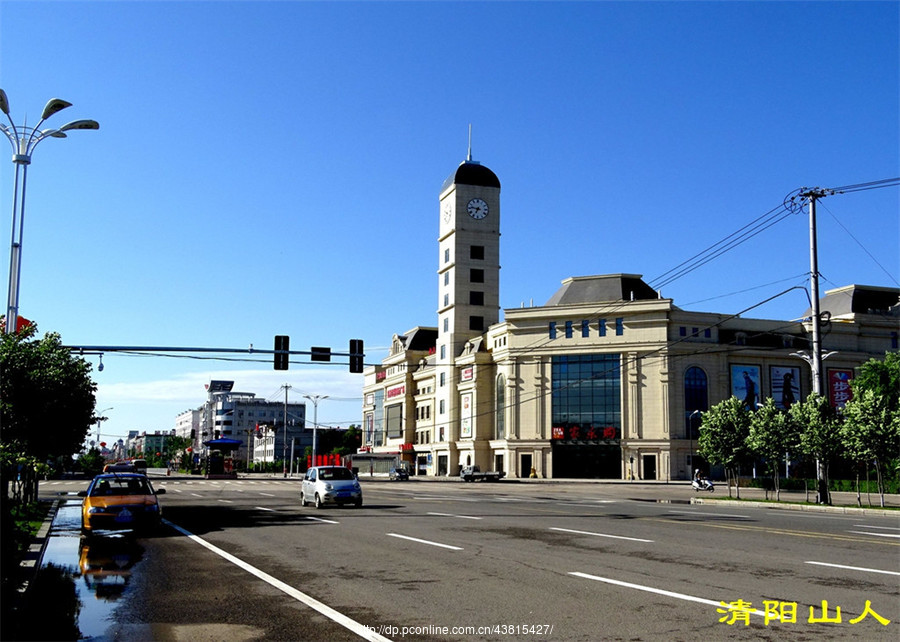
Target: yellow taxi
[(120, 501)]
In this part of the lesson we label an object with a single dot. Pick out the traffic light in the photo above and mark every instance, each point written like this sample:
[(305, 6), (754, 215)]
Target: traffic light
[(282, 349), (356, 355)]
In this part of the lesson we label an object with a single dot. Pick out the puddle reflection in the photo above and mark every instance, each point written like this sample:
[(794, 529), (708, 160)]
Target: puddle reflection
[(76, 590)]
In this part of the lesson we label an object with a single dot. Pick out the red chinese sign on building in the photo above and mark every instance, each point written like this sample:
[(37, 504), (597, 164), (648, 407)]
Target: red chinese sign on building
[(839, 391)]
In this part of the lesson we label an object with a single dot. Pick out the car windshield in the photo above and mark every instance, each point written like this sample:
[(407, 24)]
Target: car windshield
[(335, 473), (121, 486)]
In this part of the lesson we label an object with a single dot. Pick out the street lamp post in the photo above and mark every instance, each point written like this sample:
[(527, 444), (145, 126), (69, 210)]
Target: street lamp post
[(23, 140), (101, 418), (315, 400), (691, 431)]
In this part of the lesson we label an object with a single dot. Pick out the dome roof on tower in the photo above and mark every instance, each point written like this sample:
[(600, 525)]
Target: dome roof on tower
[(472, 172)]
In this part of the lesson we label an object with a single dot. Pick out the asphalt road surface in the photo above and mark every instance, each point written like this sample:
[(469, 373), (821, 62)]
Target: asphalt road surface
[(242, 560)]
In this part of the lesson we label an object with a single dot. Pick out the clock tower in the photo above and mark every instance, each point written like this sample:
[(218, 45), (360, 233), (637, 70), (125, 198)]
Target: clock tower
[(468, 274)]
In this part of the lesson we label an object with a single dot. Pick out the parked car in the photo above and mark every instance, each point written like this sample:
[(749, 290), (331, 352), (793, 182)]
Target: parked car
[(400, 474), (330, 485), (120, 501)]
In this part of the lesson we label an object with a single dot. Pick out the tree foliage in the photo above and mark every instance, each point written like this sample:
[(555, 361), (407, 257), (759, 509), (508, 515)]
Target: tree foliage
[(871, 429), (47, 395), (723, 437), (820, 436), (772, 436)]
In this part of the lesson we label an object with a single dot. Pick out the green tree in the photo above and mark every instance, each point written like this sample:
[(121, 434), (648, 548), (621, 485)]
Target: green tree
[(882, 377), (871, 429), (47, 395), (820, 436), (772, 435), (723, 438), (177, 449)]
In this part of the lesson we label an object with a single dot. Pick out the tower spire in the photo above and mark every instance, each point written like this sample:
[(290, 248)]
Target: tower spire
[(469, 154)]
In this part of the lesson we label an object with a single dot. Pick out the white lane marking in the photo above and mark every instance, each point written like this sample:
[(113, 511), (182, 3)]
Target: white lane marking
[(451, 515), (425, 541), (443, 498), (875, 534), (267, 494), (650, 589), (324, 521), (569, 530), (327, 611), (691, 512), (270, 510), (226, 501), (175, 490), (196, 495), (855, 568), (886, 528)]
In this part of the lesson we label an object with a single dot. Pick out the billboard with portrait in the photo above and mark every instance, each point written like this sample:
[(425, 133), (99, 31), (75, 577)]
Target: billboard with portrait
[(745, 384), (784, 383)]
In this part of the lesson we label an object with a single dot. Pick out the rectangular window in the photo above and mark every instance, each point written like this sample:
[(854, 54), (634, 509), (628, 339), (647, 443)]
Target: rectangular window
[(893, 341), (476, 323), (443, 352), (602, 327), (447, 277), (682, 331), (553, 329), (441, 407), (476, 252), (446, 299), (707, 333), (585, 329), (476, 298), (568, 329), (443, 379), (476, 276), (695, 332), (446, 324), (620, 326), (447, 255)]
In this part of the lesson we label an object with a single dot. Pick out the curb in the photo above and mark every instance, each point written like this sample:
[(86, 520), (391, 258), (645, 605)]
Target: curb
[(812, 508), (32, 562)]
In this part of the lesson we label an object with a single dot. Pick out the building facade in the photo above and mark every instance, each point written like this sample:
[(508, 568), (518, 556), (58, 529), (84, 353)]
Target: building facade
[(606, 380), (269, 431)]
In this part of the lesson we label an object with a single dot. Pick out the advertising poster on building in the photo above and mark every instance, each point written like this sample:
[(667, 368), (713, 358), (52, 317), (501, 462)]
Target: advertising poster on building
[(465, 415), (839, 391), (784, 382), (745, 384)]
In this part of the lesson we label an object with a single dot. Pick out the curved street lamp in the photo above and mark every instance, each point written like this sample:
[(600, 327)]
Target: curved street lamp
[(23, 140)]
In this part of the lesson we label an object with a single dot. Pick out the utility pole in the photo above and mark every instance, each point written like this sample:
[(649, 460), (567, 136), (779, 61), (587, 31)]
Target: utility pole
[(284, 444), (815, 361)]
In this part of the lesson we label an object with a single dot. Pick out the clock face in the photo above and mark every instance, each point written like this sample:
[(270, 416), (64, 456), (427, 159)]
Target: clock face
[(448, 212), (477, 208)]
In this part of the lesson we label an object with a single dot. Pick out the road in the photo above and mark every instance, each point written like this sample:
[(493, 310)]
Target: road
[(241, 560)]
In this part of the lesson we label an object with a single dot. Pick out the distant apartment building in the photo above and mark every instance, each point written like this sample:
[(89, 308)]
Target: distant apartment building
[(267, 430)]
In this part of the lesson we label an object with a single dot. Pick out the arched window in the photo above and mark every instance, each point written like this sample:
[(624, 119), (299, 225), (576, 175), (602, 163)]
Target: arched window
[(499, 414), (696, 398)]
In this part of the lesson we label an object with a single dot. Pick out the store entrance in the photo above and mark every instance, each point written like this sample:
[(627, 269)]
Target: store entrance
[(589, 461)]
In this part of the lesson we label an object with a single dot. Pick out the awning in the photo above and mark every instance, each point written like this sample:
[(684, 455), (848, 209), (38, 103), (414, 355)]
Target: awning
[(224, 444)]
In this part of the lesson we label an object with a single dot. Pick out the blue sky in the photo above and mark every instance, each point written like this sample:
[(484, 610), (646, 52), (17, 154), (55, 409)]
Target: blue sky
[(270, 168)]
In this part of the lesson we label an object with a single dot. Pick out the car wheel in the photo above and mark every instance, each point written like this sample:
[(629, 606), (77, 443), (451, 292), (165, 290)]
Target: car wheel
[(318, 501), (358, 503), (302, 499)]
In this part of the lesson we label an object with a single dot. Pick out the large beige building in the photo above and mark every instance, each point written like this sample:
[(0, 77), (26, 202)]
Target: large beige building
[(606, 380)]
